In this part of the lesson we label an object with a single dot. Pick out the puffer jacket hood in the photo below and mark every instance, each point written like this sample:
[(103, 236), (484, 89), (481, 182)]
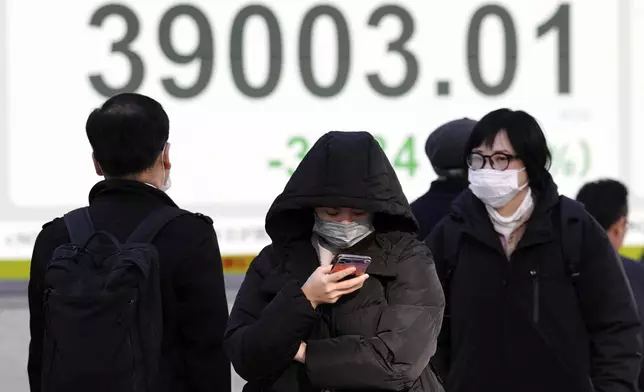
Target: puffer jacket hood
[(342, 169), (380, 337)]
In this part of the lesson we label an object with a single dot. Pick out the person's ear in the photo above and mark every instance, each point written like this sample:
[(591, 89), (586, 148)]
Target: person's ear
[(616, 233), (97, 166), (622, 225), (167, 165)]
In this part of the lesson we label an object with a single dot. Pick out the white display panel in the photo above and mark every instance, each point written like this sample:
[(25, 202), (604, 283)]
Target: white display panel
[(243, 106), (636, 89)]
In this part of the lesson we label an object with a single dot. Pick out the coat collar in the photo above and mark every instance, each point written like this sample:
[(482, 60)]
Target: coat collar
[(128, 188), (470, 213)]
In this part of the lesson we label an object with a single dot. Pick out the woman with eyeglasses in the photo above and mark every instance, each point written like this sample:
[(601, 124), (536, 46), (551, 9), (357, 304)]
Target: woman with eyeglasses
[(536, 296)]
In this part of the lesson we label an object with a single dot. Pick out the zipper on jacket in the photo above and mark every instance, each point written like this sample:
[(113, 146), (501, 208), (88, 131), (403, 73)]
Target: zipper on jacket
[(535, 295)]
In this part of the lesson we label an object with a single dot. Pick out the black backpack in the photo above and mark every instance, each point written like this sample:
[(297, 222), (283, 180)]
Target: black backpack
[(102, 306)]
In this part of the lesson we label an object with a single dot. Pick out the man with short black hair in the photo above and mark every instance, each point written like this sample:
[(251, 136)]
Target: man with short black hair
[(445, 149), (607, 201), (129, 139)]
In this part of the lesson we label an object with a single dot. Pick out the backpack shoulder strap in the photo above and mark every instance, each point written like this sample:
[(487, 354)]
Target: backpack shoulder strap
[(153, 223), (570, 213), (441, 361), (79, 226)]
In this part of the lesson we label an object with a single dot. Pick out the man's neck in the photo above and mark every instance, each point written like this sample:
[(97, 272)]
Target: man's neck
[(146, 178)]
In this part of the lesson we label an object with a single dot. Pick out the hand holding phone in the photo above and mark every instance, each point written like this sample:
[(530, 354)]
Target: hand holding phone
[(344, 261), (325, 286)]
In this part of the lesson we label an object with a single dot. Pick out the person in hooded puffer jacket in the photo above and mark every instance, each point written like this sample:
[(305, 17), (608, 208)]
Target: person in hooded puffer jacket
[(537, 299), (295, 325)]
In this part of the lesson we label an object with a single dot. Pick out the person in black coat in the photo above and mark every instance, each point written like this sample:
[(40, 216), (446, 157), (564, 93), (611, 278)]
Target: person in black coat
[(519, 317), (128, 135), (295, 326), (607, 201), (445, 149)]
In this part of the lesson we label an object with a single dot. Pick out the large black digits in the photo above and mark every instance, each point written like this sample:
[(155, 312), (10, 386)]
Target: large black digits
[(132, 28), (474, 45), (560, 21), (237, 51), (203, 51), (344, 51), (397, 46)]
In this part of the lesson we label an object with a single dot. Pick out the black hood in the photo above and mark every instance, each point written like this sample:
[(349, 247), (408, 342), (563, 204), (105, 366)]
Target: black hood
[(342, 169)]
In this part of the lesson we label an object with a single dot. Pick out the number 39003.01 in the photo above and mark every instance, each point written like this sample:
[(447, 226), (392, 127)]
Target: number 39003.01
[(205, 47)]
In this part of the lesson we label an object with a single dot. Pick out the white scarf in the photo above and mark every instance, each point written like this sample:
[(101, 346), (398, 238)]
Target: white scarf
[(506, 225), (326, 252)]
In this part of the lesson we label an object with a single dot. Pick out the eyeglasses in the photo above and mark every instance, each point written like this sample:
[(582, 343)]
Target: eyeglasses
[(498, 161)]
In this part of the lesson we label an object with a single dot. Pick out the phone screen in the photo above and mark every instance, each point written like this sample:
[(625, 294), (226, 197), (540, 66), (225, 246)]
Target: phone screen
[(344, 261)]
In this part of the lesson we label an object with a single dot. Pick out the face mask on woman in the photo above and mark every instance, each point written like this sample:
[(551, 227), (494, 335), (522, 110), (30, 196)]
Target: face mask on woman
[(495, 188), (343, 235)]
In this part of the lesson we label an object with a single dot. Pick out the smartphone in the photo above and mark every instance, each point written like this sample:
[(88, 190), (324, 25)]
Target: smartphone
[(343, 261)]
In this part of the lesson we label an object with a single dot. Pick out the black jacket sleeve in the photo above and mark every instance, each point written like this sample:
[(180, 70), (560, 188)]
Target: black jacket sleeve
[(202, 315), (46, 243), (264, 331), (405, 338), (608, 308), (441, 359), (36, 323)]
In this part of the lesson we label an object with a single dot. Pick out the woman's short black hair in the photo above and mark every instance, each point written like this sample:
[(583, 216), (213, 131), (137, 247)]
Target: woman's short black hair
[(524, 134)]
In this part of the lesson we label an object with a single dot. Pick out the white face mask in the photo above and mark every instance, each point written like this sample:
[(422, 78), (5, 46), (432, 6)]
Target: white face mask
[(495, 188), (167, 183)]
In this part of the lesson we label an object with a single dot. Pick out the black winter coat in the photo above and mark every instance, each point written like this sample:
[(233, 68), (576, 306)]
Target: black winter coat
[(635, 275), (378, 338), (431, 208), (522, 325), (194, 303)]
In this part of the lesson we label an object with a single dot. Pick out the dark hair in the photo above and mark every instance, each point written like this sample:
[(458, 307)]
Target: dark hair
[(526, 138), (127, 134), (606, 200)]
